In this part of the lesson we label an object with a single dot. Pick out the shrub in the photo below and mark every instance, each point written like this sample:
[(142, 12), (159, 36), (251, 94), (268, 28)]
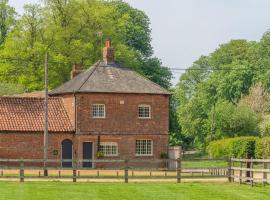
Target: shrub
[(239, 147), (263, 148)]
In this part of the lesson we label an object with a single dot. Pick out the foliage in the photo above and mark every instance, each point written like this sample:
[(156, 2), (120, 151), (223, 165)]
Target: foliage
[(263, 148), (239, 147), (7, 19), (10, 89), (212, 94), (232, 121), (74, 32)]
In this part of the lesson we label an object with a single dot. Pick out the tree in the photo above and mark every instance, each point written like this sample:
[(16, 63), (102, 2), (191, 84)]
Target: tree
[(7, 19), (73, 32)]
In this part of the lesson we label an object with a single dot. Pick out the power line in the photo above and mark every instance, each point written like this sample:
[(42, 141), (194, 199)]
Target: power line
[(175, 70)]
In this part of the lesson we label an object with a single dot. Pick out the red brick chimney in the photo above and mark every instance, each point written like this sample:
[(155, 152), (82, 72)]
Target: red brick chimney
[(76, 69), (108, 53)]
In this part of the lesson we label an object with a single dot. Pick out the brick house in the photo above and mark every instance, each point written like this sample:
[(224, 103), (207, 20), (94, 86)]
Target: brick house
[(106, 110)]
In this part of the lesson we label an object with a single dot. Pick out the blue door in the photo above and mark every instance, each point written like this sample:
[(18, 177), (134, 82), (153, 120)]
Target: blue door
[(67, 153), (87, 154)]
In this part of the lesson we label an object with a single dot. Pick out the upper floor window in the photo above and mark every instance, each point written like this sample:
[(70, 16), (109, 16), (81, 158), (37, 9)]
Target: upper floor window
[(109, 148), (144, 111), (144, 147), (98, 111)]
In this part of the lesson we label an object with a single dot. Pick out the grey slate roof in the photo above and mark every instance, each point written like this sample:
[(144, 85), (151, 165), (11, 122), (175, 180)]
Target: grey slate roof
[(102, 78)]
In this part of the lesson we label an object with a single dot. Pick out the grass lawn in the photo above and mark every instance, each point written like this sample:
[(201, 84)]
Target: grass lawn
[(131, 191)]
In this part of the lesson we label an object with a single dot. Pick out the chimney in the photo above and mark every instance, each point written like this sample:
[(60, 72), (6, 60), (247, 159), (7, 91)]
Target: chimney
[(76, 70), (108, 53)]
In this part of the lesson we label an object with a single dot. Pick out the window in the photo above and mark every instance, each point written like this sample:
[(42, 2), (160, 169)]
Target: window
[(144, 147), (109, 148), (98, 111), (144, 111)]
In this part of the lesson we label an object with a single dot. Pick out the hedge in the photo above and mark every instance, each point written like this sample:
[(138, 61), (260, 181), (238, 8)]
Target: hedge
[(263, 148), (239, 147)]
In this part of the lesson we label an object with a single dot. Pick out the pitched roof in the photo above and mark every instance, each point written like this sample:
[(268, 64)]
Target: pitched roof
[(114, 78), (27, 114)]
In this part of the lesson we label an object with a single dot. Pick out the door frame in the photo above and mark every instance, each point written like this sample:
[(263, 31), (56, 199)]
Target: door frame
[(93, 153), (62, 153)]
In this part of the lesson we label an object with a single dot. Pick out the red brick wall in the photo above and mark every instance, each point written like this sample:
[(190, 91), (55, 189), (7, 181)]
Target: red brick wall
[(123, 118), (30, 145), (69, 103)]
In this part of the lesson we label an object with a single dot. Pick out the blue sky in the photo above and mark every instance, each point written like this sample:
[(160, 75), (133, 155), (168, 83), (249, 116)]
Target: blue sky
[(183, 30)]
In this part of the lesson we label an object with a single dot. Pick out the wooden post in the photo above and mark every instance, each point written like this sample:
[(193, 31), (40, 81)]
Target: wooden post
[(179, 170), (240, 172), (230, 170), (251, 172), (21, 171), (74, 171), (59, 173), (126, 171), (46, 135), (265, 173)]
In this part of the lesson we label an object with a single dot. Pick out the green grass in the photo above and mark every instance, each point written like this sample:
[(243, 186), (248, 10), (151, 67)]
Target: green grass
[(131, 191)]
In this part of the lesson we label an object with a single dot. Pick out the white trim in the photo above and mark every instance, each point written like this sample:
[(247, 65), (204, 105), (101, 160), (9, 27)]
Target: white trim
[(152, 148), (98, 117), (146, 106)]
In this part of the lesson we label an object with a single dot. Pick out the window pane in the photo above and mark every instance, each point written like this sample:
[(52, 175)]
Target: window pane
[(144, 147), (98, 110), (144, 111), (109, 148)]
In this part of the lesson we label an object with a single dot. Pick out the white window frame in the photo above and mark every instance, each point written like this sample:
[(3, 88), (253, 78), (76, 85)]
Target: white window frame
[(109, 144), (92, 111), (145, 106), (140, 153)]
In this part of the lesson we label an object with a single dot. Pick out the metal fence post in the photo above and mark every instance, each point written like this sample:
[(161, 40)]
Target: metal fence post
[(126, 171), (179, 169), (21, 171)]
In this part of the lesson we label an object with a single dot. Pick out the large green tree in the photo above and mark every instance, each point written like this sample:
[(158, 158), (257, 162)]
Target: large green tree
[(74, 31), (209, 92)]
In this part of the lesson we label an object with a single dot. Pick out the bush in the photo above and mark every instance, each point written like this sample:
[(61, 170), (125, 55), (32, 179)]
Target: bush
[(263, 148), (239, 147)]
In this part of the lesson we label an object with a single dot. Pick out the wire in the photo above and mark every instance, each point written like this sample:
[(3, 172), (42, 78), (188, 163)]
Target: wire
[(175, 70)]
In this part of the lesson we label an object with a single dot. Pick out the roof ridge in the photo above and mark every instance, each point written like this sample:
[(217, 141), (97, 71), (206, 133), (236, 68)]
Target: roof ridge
[(18, 97), (95, 67)]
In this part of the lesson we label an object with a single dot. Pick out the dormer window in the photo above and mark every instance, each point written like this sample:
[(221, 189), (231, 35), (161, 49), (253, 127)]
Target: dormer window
[(144, 111), (98, 110)]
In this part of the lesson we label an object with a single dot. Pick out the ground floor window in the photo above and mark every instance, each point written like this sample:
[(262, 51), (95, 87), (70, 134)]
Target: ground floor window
[(109, 148), (144, 147)]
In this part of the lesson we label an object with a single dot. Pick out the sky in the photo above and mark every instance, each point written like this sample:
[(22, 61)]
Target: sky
[(183, 30)]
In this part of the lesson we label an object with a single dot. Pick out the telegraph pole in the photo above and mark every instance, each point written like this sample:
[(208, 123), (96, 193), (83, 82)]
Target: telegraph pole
[(46, 115)]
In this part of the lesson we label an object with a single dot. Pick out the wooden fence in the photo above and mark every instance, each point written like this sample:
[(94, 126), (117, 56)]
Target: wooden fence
[(249, 171), (127, 169)]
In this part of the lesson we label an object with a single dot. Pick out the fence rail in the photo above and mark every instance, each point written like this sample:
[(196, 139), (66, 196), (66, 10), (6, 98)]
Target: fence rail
[(249, 171), (125, 170)]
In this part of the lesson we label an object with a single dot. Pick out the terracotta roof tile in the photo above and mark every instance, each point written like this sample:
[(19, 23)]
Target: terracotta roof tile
[(27, 114)]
